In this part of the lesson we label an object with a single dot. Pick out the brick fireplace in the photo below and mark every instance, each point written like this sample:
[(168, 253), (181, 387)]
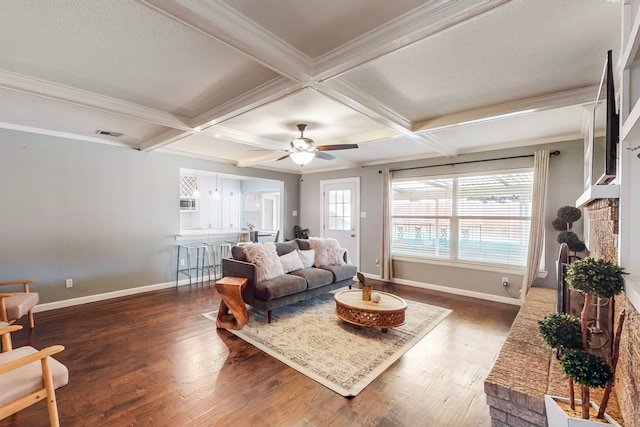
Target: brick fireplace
[(525, 370), (603, 232)]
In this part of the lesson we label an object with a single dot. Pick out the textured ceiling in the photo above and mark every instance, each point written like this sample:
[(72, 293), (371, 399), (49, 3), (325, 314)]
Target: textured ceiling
[(230, 79)]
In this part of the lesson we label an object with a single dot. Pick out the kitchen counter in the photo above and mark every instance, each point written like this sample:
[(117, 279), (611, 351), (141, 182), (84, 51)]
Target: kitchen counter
[(208, 234)]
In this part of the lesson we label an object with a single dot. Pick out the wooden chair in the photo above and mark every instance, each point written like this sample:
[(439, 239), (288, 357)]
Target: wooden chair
[(25, 381), (17, 304)]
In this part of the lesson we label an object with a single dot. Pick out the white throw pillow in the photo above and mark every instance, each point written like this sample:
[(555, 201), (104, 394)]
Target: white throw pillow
[(328, 251), (307, 257), (291, 262), (266, 259)]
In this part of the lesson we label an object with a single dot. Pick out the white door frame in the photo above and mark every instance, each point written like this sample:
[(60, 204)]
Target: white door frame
[(355, 258)]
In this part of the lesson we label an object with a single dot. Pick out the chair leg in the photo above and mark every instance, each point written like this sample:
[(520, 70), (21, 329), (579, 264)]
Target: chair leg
[(52, 405), (32, 323), (269, 316)]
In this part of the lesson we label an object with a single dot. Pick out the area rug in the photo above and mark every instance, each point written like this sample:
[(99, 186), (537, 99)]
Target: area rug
[(309, 337)]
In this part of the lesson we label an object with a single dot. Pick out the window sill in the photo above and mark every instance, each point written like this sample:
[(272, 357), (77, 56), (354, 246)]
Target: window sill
[(466, 264)]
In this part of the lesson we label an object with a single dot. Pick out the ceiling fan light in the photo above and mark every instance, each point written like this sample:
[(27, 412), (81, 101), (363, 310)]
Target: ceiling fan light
[(302, 158)]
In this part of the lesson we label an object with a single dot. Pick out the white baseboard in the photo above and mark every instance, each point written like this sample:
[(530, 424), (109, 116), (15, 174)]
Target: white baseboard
[(132, 291), (105, 296), (448, 290)]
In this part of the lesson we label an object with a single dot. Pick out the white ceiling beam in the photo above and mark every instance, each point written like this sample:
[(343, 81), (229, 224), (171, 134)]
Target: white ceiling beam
[(86, 99), (262, 95), (220, 21), (361, 102), (221, 132), (256, 160), (428, 19), (523, 106), (163, 139)]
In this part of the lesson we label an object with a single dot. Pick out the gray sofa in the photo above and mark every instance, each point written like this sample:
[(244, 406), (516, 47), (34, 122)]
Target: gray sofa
[(288, 288)]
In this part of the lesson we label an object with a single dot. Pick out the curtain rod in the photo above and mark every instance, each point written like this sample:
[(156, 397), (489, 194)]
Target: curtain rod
[(553, 153)]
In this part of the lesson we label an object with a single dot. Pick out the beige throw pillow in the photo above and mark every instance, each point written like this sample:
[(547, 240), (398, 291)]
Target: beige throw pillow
[(328, 251), (307, 257), (266, 259), (291, 262)]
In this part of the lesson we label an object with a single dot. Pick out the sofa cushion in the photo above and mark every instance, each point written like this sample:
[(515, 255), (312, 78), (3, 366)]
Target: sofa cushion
[(315, 277), (341, 272), (266, 259), (307, 257), (328, 252), (280, 286), (286, 247), (291, 262)]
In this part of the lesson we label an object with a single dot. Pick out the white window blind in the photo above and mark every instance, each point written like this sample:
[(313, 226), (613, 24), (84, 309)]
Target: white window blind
[(482, 218)]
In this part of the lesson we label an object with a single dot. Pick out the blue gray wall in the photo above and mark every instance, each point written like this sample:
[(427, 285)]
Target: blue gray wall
[(565, 186), (105, 216)]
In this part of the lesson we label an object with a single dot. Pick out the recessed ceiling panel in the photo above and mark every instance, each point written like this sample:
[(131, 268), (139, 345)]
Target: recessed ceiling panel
[(519, 50), (328, 121), (124, 50), (317, 27)]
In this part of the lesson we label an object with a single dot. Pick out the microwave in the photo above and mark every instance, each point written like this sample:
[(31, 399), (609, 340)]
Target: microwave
[(188, 204)]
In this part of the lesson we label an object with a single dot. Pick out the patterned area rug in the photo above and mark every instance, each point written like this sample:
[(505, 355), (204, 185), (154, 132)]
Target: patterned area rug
[(309, 337)]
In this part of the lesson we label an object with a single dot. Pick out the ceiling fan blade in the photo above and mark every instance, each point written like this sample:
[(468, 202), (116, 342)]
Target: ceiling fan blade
[(325, 156), (336, 147), (282, 158)]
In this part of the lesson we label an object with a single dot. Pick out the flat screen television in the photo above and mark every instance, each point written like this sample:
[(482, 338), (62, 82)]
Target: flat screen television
[(605, 153)]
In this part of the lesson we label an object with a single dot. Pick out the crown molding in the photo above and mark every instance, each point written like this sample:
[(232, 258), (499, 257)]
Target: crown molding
[(61, 93), (58, 134), (428, 19)]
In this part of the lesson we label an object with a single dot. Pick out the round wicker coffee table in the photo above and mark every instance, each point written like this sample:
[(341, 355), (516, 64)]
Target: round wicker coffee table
[(388, 313)]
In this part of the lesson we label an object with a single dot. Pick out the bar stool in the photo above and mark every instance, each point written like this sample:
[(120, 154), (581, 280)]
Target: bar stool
[(219, 250), (201, 255)]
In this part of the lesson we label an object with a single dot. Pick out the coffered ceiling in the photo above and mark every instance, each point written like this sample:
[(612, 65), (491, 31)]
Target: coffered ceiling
[(230, 79)]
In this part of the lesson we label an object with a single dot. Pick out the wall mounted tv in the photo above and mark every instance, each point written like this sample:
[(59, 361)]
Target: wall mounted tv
[(605, 153)]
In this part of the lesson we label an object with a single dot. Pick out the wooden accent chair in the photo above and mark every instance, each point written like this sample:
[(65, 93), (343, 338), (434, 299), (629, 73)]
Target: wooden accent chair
[(25, 381), (17, 304)]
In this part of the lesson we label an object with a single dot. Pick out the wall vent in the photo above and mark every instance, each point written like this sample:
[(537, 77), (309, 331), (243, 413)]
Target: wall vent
[(108, 133)]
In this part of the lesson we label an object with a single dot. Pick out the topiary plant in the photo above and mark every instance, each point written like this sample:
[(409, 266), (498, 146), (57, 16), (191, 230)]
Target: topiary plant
[(566, 216), (561, 331), (604, 279)]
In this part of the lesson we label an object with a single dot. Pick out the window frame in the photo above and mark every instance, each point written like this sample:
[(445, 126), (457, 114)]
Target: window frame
[(453, 218)]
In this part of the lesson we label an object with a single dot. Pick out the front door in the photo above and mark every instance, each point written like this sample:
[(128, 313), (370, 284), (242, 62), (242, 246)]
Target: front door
[(340, 220)]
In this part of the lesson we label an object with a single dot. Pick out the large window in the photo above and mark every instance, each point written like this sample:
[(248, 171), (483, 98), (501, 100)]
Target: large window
[(482, 218)]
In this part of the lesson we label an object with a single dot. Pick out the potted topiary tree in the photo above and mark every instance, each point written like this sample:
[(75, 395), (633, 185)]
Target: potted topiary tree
[(571, 336), (566, 216)]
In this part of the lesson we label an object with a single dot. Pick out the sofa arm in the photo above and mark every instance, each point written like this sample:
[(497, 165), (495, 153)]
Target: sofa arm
[(234, 268)]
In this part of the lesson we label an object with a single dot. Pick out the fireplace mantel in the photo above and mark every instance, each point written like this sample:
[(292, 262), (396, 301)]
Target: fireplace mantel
[(596, 192)]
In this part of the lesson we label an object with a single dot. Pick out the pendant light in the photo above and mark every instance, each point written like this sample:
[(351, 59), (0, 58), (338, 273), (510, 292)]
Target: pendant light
[(196, 192), (216, 194)]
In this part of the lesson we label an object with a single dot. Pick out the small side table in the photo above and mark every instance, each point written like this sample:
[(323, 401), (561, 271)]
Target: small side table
[(233, 311)]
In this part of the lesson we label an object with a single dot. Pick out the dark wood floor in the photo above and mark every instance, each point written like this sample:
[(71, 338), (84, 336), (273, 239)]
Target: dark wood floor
[(153, 360)]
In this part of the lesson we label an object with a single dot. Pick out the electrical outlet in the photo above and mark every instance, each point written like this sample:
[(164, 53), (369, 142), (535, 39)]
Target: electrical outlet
[(68, 283), (505, 282), (181, 262), (377, 263)]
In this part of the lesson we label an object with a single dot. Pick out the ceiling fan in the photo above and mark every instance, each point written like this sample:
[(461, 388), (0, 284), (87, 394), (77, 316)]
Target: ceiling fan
[(302, 150)]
